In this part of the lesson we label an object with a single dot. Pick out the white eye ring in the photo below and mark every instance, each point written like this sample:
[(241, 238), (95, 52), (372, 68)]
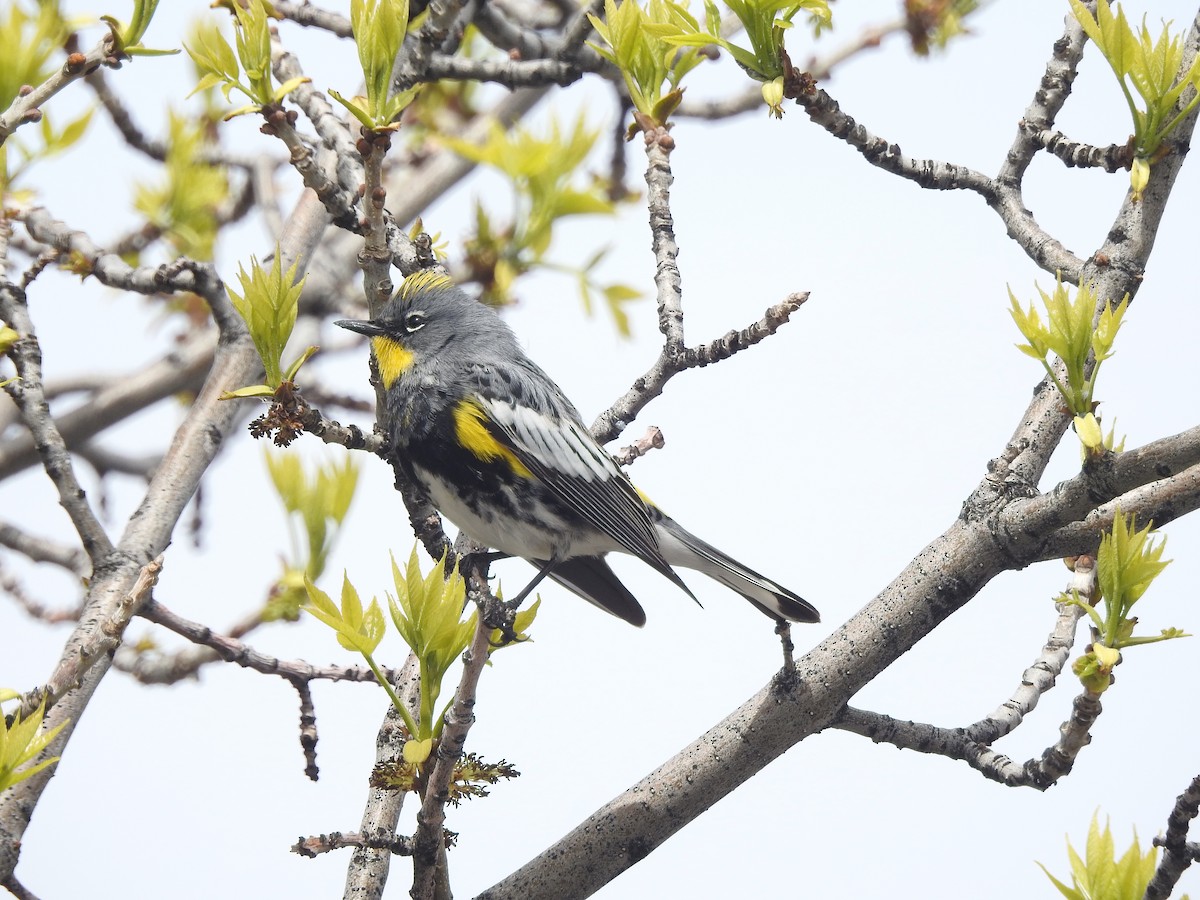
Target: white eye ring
[(414, 321)]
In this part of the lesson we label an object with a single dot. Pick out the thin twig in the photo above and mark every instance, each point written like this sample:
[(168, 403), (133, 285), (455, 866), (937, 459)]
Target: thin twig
[(235, 651), (26, 392)]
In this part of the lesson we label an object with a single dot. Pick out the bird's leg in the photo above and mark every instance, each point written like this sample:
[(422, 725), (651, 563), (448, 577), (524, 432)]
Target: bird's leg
[(502, 618), (483, 558), (515, 603)]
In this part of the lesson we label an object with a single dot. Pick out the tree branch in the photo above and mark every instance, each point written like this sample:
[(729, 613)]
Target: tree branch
[(99, 645), (973, 743), (149, 529), (230, 650), (26, 106), (45, 437), (43, 549), (367, 874), (1179, 853), (429, 841)]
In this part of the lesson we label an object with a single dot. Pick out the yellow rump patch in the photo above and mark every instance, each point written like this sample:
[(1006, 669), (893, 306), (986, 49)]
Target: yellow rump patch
[(392, 358), (471, 429), (645, 499)]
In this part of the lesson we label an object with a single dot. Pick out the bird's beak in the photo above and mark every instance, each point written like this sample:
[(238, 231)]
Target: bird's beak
[(370, 329)]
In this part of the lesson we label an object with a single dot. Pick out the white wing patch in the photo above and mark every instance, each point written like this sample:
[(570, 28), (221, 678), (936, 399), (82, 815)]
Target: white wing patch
[(557, 445)]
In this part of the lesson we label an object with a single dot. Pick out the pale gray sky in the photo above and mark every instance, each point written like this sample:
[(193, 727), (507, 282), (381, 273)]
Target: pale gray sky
[(826, 457)]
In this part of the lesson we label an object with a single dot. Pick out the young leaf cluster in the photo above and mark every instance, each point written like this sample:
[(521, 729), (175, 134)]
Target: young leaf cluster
[(765, 22), (358, 630), (646, 44), (27, 42), (268, 304), (1128, 561), (320, 502), (427, 616), (22, 741), (1100, 875), (379, 29), (427, 611), (1069, 334), (184, 206), (219, 66), (614, 296), (1152, 67), (541, 170)]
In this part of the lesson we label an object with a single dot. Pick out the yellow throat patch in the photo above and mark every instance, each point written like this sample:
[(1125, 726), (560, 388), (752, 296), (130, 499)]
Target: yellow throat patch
[(471, 430), (392, 358)]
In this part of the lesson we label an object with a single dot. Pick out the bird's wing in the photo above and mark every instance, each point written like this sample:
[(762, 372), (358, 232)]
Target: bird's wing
[(561, 453), (567, 460)]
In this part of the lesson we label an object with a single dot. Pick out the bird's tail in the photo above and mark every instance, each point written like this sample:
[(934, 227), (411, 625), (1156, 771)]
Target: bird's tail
[(592, 579), (682, 548)]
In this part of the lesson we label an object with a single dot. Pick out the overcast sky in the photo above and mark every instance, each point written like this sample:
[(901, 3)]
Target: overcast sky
[(827, 457)]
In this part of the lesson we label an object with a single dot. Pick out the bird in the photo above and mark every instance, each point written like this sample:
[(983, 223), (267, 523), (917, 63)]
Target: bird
[(504, 455)]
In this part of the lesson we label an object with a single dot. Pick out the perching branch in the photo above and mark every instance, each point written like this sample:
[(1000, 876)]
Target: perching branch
[(329, 174), (391, 844), (1076, 154)]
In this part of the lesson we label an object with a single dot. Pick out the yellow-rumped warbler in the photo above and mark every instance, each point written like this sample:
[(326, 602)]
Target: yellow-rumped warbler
[(504, 455)]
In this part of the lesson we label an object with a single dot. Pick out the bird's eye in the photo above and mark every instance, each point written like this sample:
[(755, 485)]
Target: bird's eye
[(414, 321)]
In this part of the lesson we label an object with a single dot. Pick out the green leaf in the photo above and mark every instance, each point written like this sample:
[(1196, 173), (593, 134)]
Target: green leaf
[(20, 743), (1151, 66), (8, 337), (320, 501), (185, 204), (290, 374), (379, 29), (654, 48), (427, 611), (416, 752), (268, 305), (214, 60), (254, 390), (28, 41), (359, 630), (287, 87)]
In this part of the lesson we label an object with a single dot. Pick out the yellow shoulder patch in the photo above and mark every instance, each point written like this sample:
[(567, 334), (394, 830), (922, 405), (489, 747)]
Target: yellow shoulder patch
[(392, 358), (471, 430)]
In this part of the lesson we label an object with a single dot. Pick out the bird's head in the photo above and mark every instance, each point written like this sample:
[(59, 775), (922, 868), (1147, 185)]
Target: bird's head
[(427, 313)]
